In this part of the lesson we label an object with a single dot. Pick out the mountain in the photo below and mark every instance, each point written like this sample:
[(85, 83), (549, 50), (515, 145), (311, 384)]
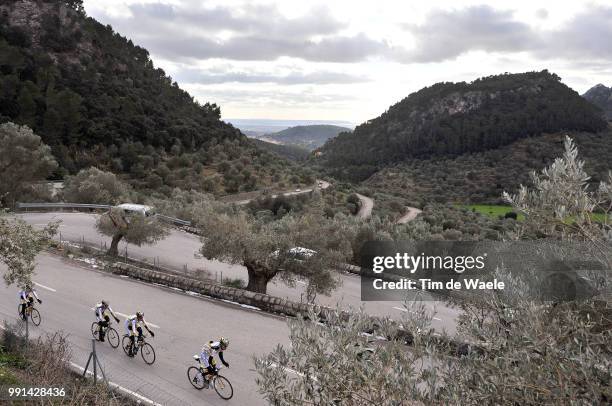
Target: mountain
[(98, 100), (307, 136), (601, 96), (451, 119)]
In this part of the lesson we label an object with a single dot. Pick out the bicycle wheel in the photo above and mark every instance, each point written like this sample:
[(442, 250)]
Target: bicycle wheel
[(35, 316), (112, 337), (195, 377), (94, 330), (148, 353), (223, 387), (125, 344)]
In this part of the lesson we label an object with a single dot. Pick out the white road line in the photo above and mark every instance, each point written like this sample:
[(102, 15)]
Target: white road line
[(435, 318), (121, 388), (401, 309), (148, 323), (45, 287)]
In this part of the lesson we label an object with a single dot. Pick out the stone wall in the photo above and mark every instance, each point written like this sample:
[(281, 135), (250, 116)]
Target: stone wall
[(267, 303), (262, 301)]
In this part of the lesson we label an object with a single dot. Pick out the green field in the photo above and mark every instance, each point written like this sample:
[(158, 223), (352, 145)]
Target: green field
[(499, 210), (491, 210)]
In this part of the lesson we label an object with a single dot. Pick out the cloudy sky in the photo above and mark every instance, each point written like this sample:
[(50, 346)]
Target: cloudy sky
[(349, 59)]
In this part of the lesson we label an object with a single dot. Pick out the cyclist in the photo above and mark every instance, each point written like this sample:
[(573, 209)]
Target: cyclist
[(207, 356), (133, 326), (27, 296), (103, 310)]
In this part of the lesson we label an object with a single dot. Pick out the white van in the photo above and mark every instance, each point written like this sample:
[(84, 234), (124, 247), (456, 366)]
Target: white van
[(140, 209)]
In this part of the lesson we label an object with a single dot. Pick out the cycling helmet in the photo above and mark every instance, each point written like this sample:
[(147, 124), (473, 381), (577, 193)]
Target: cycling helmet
[(223, 342), (105, 303), (28, 287), (139, 315)]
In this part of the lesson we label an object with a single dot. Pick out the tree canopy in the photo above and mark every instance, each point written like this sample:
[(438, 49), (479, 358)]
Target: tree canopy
[(94, 186), (134, 228), (20, 243), (24, 159), (297, 246)]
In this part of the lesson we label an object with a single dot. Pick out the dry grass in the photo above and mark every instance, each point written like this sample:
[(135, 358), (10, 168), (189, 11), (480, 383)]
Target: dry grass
[(45, 363)]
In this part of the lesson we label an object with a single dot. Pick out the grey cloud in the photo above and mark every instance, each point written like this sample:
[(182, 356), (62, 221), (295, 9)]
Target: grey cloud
[(340, 49), (255, 19), (257, 33), (449, 34), (295, 78), (587, 36), (278, 97)]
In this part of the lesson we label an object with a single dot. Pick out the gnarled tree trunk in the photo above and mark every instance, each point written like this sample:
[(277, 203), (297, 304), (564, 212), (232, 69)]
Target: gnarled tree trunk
[(114, 248), (258, 278)]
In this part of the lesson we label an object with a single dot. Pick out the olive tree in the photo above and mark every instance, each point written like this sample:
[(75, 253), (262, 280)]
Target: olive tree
[(94, 186), (19, 245), (298, 246), (335, 363), (523, 350), (24, 159), (136, 229)]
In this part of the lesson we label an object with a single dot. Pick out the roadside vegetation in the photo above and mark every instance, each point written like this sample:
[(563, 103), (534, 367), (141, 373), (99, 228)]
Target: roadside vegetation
[(481, 177), (24, 160), (527, 352), (304, 246), (44, 363)]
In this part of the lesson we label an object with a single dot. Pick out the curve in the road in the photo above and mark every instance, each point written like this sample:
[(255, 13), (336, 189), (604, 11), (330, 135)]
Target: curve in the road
[(176, 252), (187, 323), (367, 204), (410, 214), (321, 184)]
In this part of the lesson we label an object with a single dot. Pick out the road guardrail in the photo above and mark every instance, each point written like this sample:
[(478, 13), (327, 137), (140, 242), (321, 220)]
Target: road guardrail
[(80, 206), (62, 206)]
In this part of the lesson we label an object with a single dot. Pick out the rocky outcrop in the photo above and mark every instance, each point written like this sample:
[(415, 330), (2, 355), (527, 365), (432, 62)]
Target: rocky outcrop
[(601, 96)]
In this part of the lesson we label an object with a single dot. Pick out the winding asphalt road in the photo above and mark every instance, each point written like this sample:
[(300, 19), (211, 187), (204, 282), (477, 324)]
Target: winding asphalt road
[(321, 184), (410, 214), (177, 251)]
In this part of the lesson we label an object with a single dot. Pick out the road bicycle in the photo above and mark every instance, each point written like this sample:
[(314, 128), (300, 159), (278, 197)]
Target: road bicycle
[(110, 333), (221, 384), (146, 350), (30, 312)]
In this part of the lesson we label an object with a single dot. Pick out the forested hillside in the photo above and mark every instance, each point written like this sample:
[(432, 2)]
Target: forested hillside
[(97, 99), (308, 136), (450, 119), (292, 152), (601, 96), (481, 177)]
